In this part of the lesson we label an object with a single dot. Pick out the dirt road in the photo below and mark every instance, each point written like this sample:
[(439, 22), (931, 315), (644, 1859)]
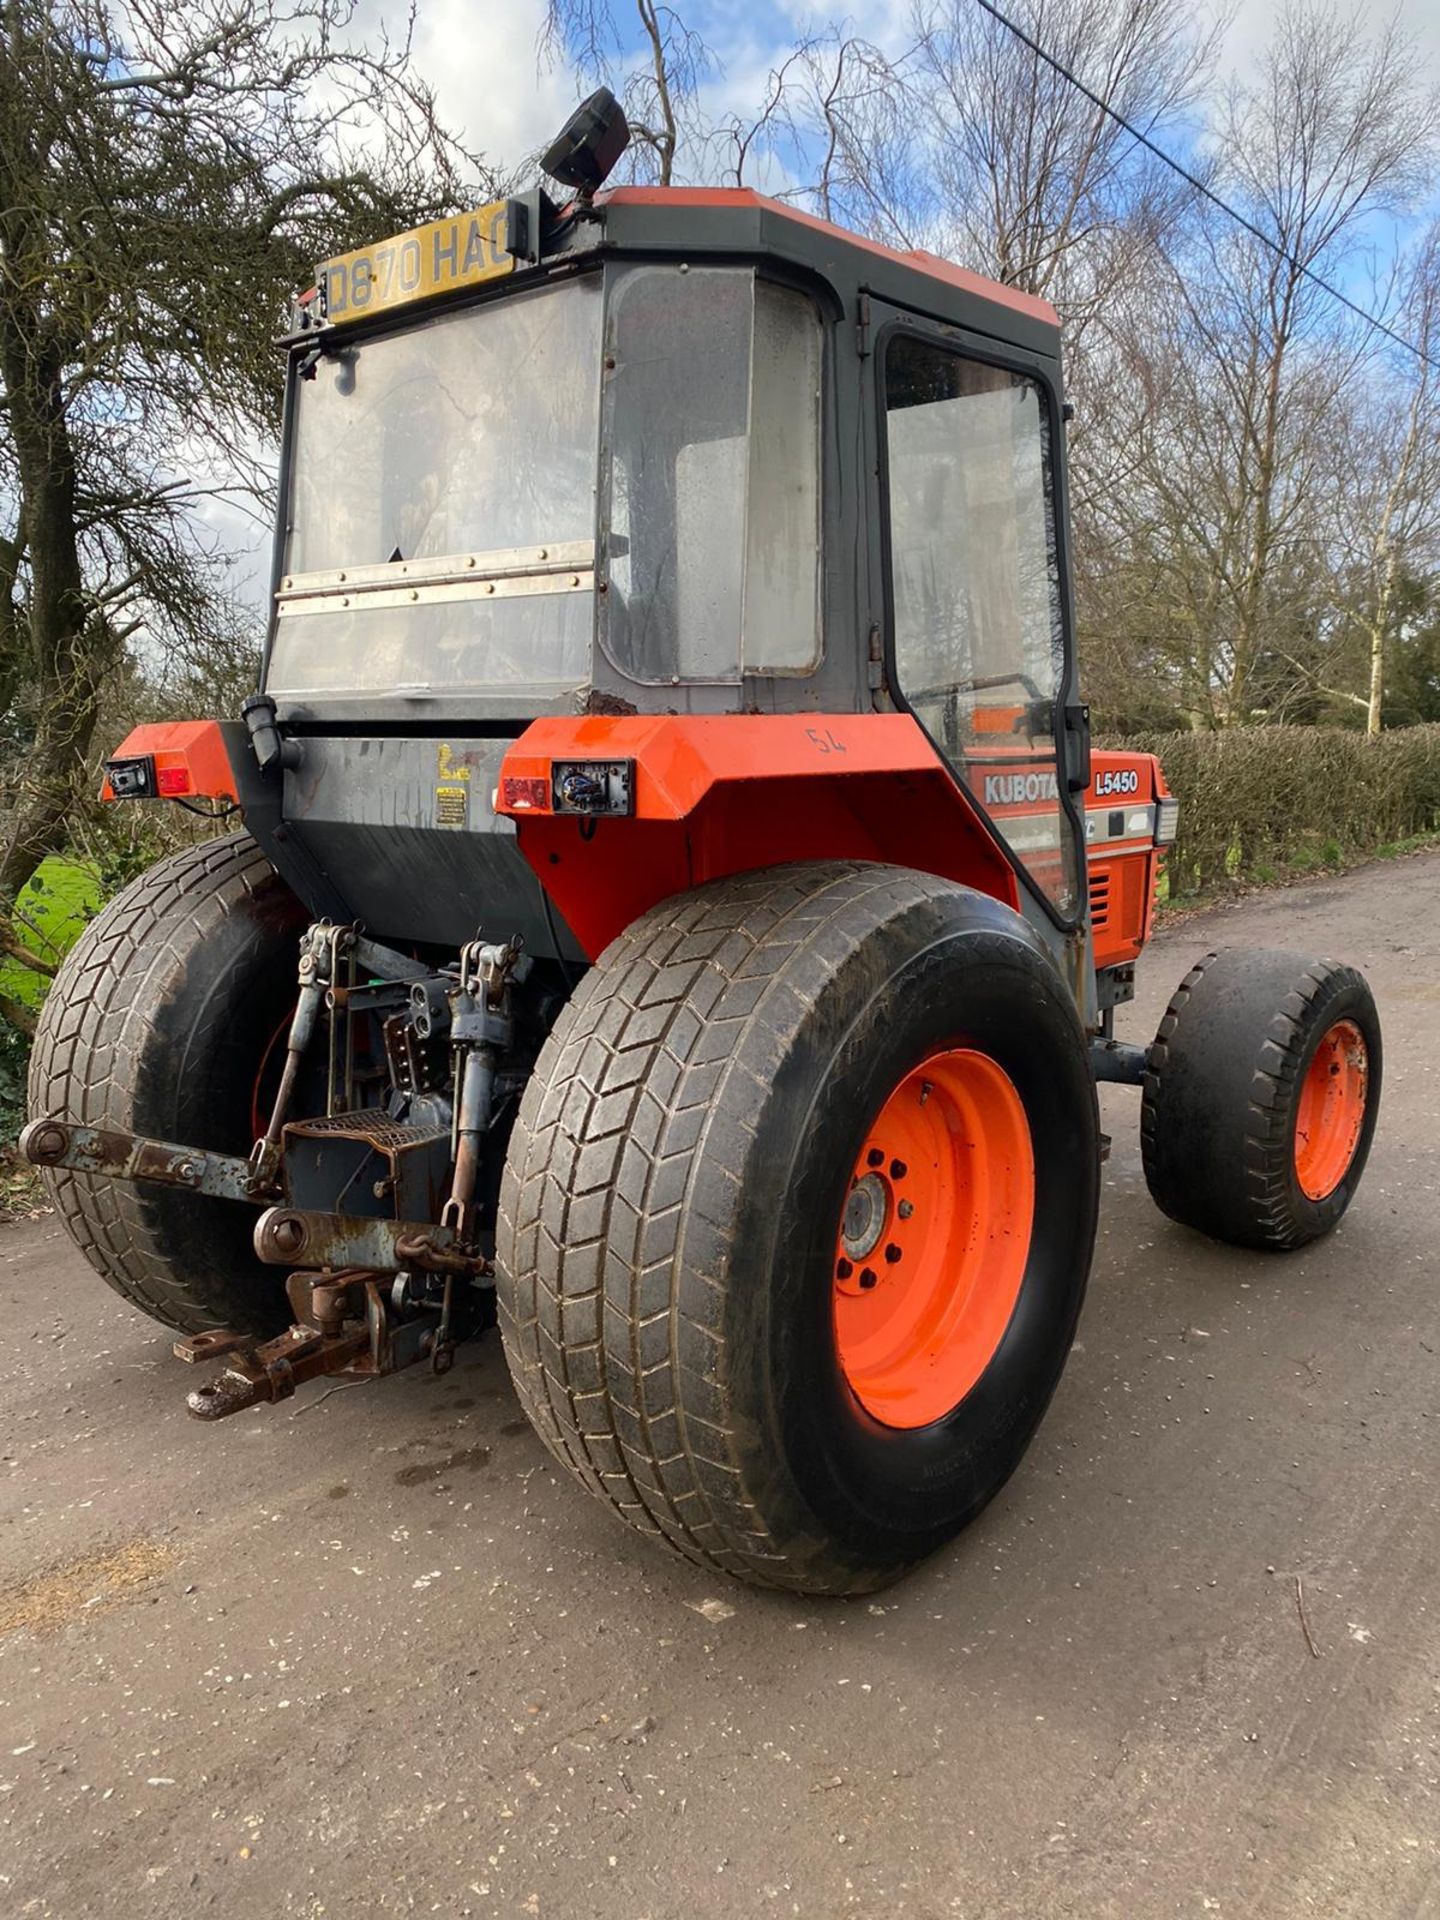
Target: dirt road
[(368, 1654)]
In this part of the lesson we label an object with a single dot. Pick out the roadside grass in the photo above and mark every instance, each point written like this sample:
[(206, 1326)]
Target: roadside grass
[(1412, 843), (51, 913), (1303, 863)]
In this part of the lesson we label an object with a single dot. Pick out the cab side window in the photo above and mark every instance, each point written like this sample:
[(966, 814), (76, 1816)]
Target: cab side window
[(976, 614)]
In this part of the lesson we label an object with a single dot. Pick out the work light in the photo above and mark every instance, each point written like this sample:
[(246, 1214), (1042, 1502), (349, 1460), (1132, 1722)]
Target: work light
[(584, 153)]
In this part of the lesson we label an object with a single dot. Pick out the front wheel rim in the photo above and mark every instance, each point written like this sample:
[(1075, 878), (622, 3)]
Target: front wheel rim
[(934, 1238), (1331, 1114)]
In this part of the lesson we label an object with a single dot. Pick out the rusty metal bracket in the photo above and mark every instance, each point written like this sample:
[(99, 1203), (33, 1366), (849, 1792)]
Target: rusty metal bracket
[(316, 946), (128, 1156), (289, 1237), (196, 1348), (272, 1371), (341, 1326)]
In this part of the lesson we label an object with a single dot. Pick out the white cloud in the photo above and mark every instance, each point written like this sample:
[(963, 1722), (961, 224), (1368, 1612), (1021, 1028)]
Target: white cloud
[(481, 58), (1254, 22)]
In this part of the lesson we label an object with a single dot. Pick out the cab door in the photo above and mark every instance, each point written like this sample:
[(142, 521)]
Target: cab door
[(977, 611)]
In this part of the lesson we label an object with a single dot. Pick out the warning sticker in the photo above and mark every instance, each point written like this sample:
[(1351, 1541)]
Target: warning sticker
[(451, 806)]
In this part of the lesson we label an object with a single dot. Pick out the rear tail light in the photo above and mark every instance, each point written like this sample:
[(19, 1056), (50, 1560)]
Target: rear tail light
[(1167, 822), (525, 791)]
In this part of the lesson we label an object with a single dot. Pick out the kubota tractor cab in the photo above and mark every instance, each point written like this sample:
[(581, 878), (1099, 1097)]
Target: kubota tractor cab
[(678, 911)]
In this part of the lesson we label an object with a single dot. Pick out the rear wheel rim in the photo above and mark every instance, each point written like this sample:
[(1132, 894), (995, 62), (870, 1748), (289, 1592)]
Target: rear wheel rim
[(1331, 1114), (934, 1238)]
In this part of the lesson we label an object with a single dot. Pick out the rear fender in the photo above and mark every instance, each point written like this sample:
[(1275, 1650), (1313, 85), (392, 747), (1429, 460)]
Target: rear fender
[(719, 795)]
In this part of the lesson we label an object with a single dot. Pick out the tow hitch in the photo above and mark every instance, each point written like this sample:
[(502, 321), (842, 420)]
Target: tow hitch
[(379, 1294), (346, 1322), (371, 1291)]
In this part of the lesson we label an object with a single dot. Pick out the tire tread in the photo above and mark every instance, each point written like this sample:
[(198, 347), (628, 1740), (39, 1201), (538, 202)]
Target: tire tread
[(85, 1058), (620, 1136), (1263, 1213)]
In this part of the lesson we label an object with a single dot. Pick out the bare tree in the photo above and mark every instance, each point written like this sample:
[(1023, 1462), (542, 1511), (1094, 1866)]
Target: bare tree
[(1032, 182), (1333, 134), (831, 128), (1375, 509), (868, 166), (659, 91), (1399, 537), (168, 177), (1236, 370)]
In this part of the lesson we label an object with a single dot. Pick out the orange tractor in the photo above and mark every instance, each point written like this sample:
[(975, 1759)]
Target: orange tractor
[(678, 913)]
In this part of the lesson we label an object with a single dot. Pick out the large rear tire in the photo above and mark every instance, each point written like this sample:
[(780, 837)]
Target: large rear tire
[(157, 1024), (797, 1218), (1262, 1090)]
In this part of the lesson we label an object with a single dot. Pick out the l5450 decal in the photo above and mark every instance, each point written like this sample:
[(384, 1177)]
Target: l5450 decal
[(1122, 780)]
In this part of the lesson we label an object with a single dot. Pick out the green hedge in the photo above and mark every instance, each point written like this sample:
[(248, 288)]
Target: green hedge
[(1258, 801)]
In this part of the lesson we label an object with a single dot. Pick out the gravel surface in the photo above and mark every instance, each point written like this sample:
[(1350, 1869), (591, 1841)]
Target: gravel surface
[(368, 1653)]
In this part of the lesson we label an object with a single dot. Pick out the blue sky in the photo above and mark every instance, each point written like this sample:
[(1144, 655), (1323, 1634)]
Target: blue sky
[(480, 54)]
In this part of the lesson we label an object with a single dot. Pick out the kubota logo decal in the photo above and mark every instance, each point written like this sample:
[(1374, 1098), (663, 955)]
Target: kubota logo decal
[(1009, 789)]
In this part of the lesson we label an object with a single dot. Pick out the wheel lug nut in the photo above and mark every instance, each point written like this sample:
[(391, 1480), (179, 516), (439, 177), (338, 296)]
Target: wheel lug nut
[(905, 1209)]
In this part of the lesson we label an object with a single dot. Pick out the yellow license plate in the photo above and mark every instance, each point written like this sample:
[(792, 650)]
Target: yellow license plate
[(419, 265)]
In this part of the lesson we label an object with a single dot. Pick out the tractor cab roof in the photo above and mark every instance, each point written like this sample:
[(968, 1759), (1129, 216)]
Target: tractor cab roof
[(739, 219), (507, 245)]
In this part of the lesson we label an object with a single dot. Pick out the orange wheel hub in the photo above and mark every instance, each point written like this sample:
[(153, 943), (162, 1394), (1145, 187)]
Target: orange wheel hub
[(934, 1238), (1332, 1110)]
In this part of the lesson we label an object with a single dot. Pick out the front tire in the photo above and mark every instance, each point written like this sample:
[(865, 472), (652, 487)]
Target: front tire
[(1262, 1090), (681, 1255), (156, 1024)]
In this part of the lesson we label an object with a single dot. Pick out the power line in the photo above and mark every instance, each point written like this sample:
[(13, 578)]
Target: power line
[(1098, 100)]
